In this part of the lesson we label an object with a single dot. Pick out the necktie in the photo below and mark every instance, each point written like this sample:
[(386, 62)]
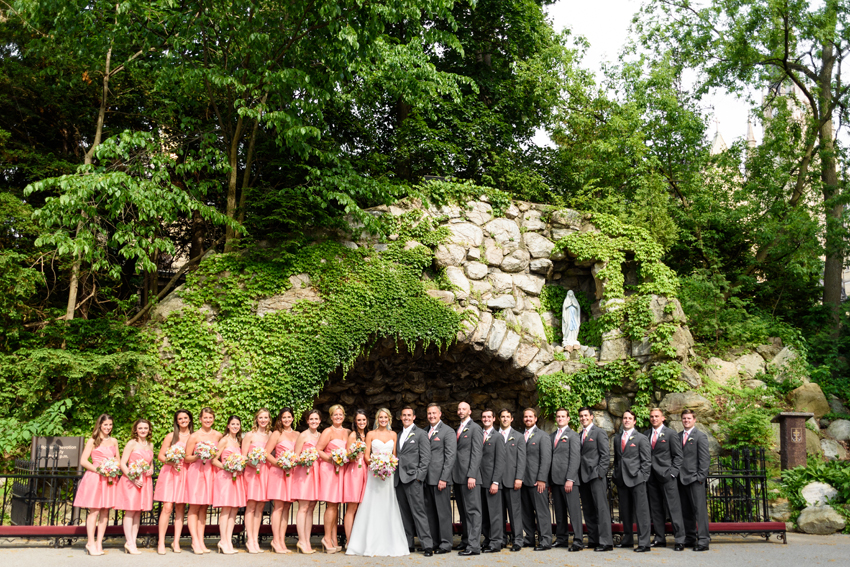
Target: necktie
[(583, 435), (684, 438), (430, 433), (654, 437), (527, 431), (557, 437), (625, 438), (505, 434), (459, 429)]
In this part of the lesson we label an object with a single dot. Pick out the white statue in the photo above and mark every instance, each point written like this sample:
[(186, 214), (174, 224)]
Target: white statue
[(570, 321)]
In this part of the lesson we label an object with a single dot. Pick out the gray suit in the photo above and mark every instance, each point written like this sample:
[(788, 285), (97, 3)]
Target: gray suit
[(535, 506), (662, 487), (566, 457), (631, 471), (470, 441), (514, 470), (414, 455), (692, 487), (439, 502), (594, 486), (492, 469)]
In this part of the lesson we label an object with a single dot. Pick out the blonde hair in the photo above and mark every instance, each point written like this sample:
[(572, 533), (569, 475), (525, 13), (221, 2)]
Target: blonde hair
[(335, 407), (256, 426), (389, 417)]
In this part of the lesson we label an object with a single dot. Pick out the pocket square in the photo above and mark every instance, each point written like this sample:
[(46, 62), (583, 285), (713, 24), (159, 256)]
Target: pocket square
[(632, 445), (412, 441)]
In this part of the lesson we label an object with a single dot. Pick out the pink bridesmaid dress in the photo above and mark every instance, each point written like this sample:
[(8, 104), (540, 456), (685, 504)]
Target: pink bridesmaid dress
[(303, 486), (331, 481), (130, 497), (199, 483), (355, 480), (228, 492), (171, 483), (256, 485), (94, 491), (278, 487)]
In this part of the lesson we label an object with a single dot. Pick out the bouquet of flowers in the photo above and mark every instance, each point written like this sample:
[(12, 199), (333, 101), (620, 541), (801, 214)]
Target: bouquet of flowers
[(308, 458), (234, 464), (339, 458), (137, 469), (175, 455), (355, 450), (110, 469), (257, 456), (287, 460), (383, 465), (205, 451)]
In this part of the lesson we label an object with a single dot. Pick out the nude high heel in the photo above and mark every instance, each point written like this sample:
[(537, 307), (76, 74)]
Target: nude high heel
[(301, 549), (328, 549)]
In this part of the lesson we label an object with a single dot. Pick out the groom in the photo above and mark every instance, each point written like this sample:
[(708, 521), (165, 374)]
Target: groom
[(414, 455)]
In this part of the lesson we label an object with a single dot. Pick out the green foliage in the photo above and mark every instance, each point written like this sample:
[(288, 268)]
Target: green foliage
[(584, 388), (460, 192), (552, 299), (747, 428), (834, 473), (51, 422)]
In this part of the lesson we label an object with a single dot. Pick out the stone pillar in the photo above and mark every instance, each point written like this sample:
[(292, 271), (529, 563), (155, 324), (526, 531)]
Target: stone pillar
[(792, 438)]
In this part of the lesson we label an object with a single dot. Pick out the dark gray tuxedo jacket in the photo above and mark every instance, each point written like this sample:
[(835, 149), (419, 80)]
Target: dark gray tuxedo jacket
[(667, 454), (538, 457), (695, 457), (632, 465), (413, 457), (443, 450), (493, 461), (595, 455), (469, 448), (514, 457), (566, 458)]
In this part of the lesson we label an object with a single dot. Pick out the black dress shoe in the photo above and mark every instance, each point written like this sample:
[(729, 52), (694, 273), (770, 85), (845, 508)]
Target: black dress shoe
[(440, 551), (642, 549), (624, 545), (459, 546), (411, 549), (575, 547), (468, 552), (543, 548), (491, 550), (592, 544), (560, 544), (604, 548), (427, 552), (516, 547), (658, 544), (690, 544), (700, 548), (679, 547)]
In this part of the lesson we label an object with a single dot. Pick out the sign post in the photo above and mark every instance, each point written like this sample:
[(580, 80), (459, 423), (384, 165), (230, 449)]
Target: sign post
[(792, 438)]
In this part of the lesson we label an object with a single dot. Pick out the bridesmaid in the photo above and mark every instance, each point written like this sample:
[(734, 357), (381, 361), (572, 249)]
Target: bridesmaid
[(331, 477), (170, 486), (135, 495), (355, 472), (304, 487), (282, 439), (96, 492), (256, 481), (199, 480), (229, 492)]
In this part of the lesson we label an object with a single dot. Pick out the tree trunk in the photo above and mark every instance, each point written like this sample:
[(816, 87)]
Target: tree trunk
[(232, 183), (198, 234)]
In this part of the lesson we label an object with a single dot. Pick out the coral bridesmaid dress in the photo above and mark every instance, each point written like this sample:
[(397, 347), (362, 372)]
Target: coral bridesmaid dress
[(228, 491), (130, 497), (356, 473), (199, 483), (303, 486), (331, 481), (171, 483), (256, 485), (278, 487), (94, 491)]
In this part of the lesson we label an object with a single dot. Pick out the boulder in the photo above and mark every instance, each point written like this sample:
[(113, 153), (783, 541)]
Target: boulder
[(475, 270), (533, 324), (682, 341), (835, 406), (615, 346), (446, 297), (411, 244), (833, 450), (691, 377), (658, 304), (482, 288), (457, 279), (750, 365), (478, 212), (809, 398), (566, 218), (497, 335), (618, 404), (540, 266), (171, 304), (466, 234), (820, 520), (512, 212), (602, 420), (503, 231), (531, 221), (769, 351), (529, 284), (674, 402), (753, 384), (784, 359), (839, 430), (516, 261), (300, 291), (779, 510), (524, 355), (509, 346), (449, 255), (813, 443), (720, 371), (538, 246), (502, 302), (493, 255), (502, 283), (818, 493), (642, 347), (485, 321), (473, 254)]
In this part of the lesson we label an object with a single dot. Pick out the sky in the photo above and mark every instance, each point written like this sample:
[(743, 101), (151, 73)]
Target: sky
[(605, 24)]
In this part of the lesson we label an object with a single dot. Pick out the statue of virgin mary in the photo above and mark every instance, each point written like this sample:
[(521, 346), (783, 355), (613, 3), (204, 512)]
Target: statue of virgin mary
[(570, 321)]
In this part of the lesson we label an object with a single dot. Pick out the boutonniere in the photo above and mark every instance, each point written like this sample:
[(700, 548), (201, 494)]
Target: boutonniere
[(662, 435), (565, 438), (630, 438), (510, 438), (530, 436), (466, 429)]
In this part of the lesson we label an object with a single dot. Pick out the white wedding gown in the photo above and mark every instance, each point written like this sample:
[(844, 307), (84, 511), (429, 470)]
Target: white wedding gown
[(378, 529)]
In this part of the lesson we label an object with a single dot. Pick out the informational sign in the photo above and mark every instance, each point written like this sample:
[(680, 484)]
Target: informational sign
[(57, 452)]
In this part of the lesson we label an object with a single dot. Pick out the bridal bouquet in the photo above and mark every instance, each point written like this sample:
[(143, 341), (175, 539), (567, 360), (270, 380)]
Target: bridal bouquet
[(355, 450), (137, 469), (205, 451), (383, 465), (110, 469), (287, 460), (339, 457), (257, 456), (175, 456), (308, 458), (234, 464)]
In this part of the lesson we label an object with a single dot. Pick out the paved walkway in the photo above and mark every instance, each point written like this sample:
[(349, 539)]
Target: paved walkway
[(729, 551)]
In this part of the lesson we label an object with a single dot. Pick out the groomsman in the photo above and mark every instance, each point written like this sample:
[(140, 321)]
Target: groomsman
[(632, 464), (466, 475), (438, 494), (512, 477), (692, 476), (564, 482), (492, 469), (662, 487), (535, 495), (414, 455), (593, 488)]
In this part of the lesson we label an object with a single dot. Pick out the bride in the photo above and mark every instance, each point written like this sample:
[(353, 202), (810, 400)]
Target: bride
[(378, 529)]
